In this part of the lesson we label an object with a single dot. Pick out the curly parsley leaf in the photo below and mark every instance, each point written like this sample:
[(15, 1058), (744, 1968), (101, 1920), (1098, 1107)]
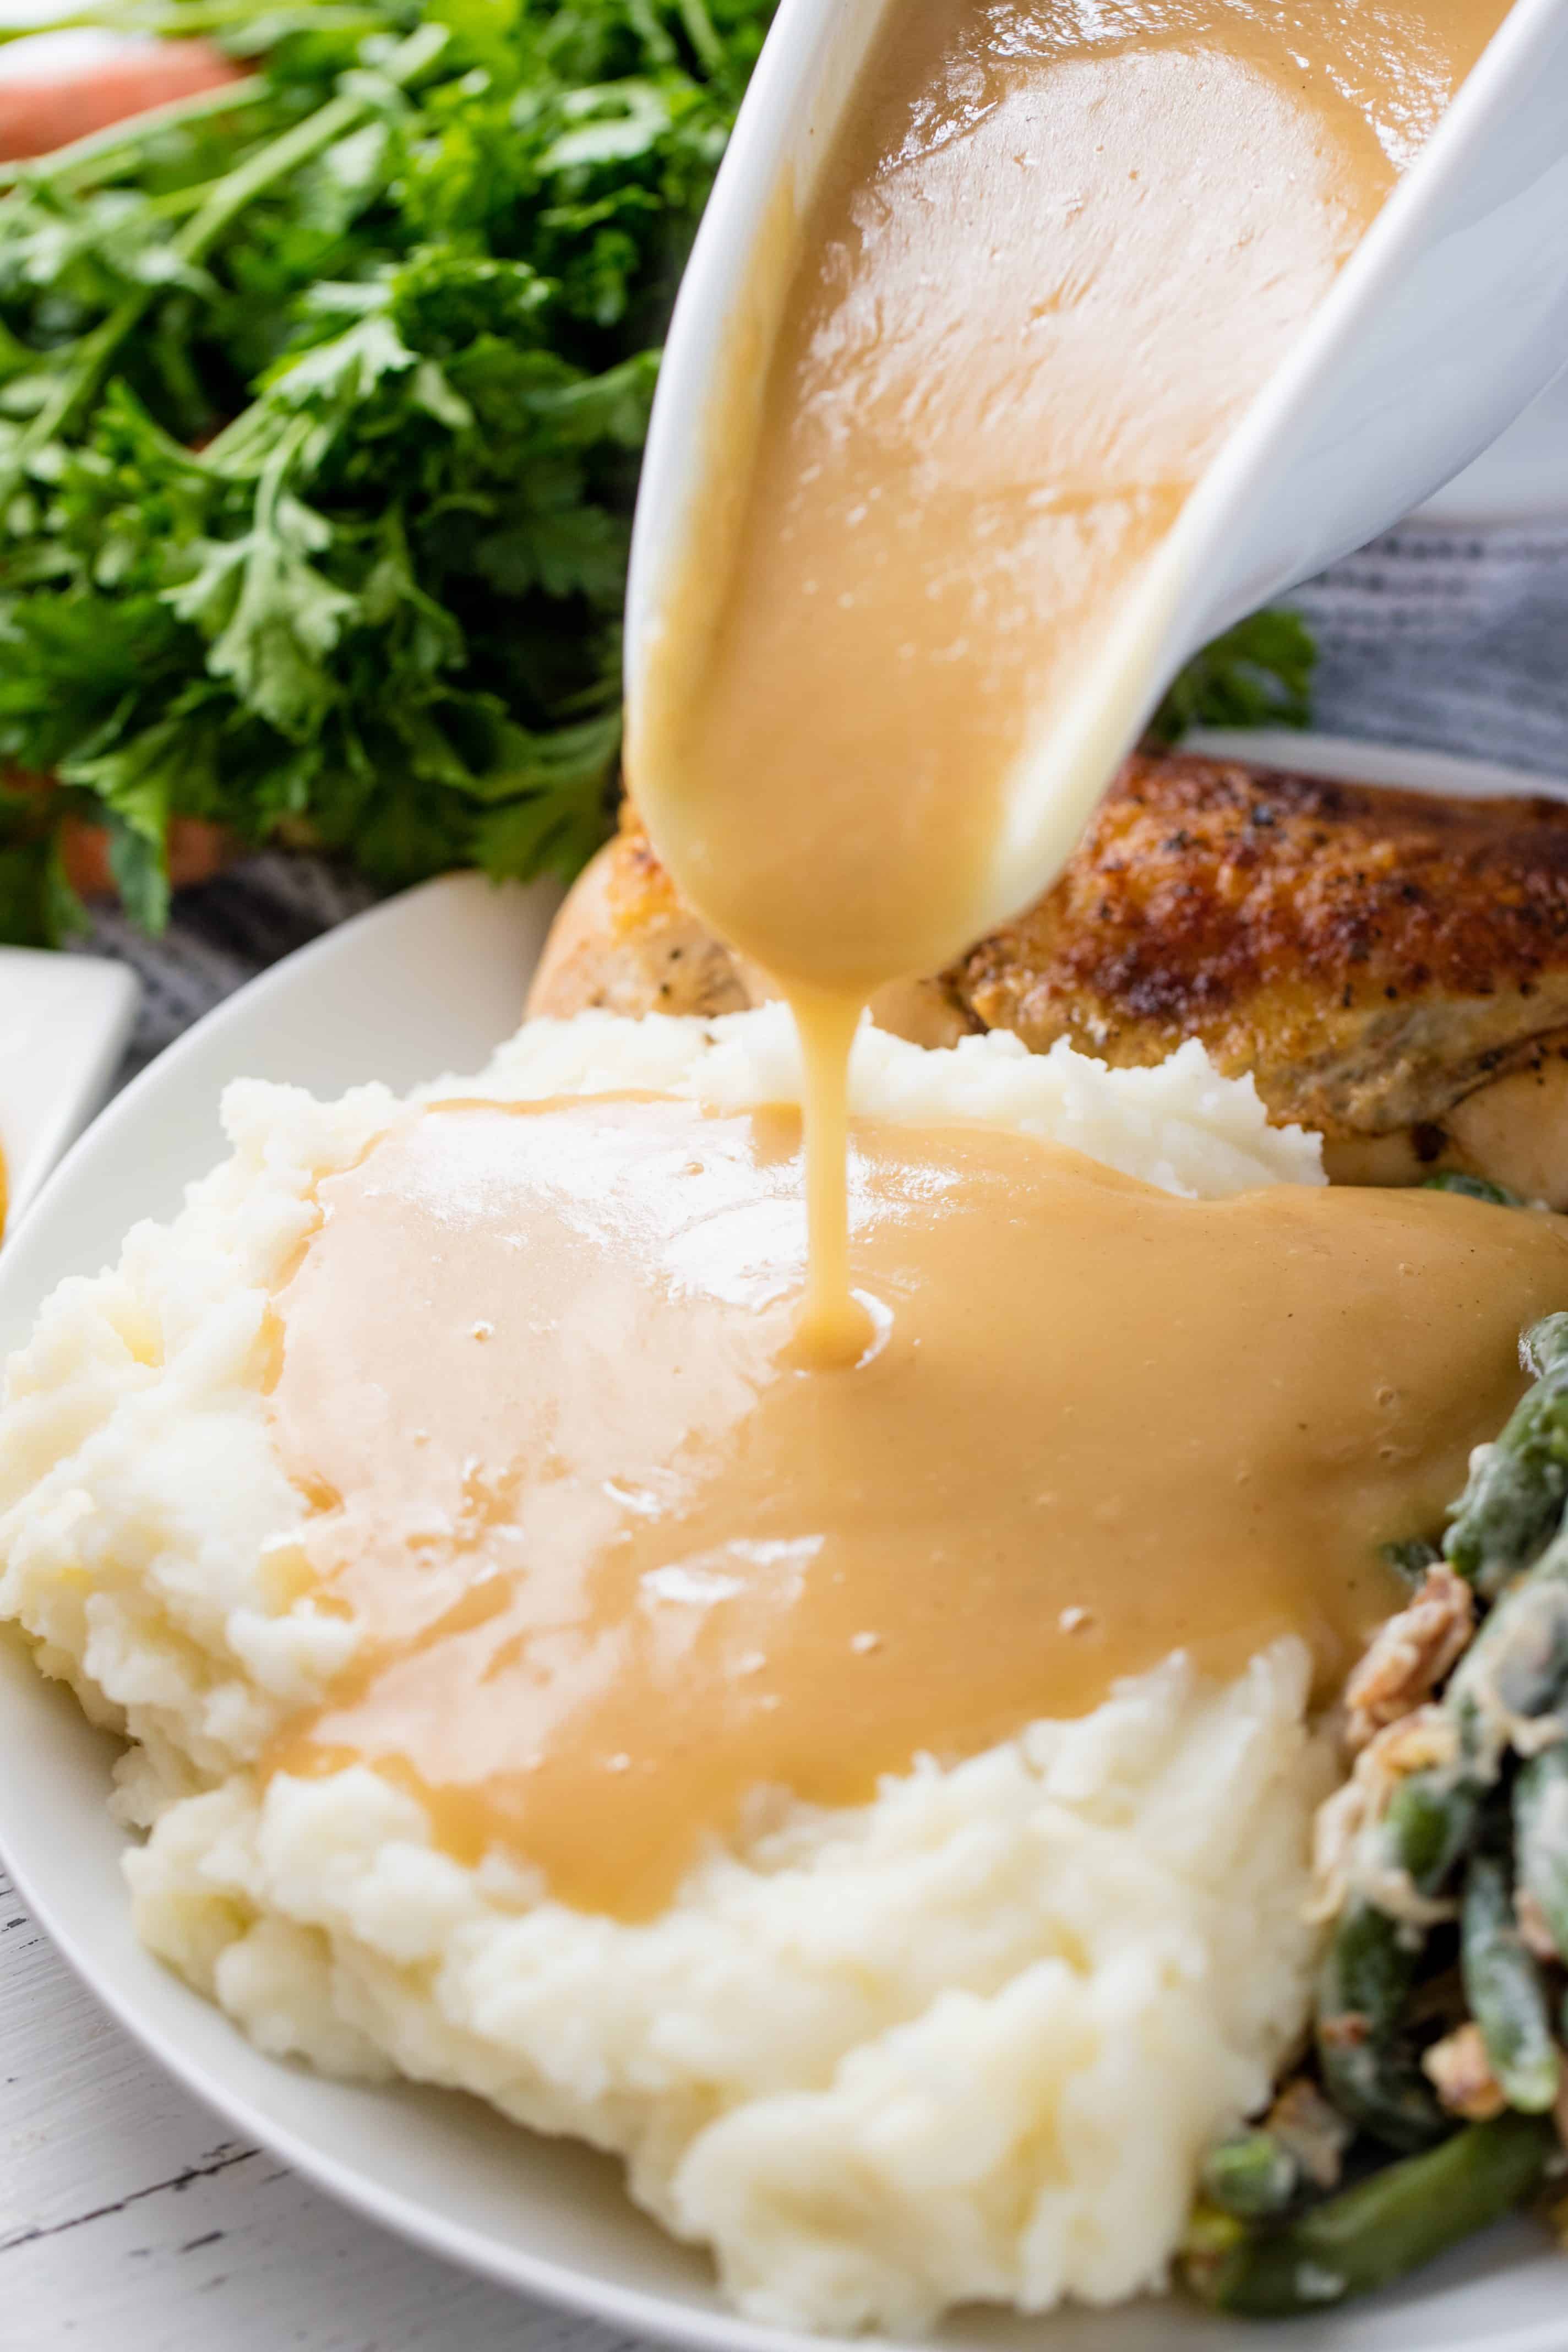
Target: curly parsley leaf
[(1258, 674)]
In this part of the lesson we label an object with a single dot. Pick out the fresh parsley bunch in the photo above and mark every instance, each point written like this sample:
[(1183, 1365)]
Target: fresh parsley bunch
[(320, 405)]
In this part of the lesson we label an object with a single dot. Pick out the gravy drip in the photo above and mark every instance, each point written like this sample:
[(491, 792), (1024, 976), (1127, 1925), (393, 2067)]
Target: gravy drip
[(1057, 250), (619, 1566)]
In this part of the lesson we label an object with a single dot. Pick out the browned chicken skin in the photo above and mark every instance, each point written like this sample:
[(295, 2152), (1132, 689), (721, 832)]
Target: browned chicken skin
[(1390, 967)]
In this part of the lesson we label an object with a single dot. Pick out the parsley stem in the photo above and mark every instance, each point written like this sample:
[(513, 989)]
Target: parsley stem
[(704, 40), (82, 159), (175, 203), (186, 22), (661, 49), (228, 199), (285, 155)]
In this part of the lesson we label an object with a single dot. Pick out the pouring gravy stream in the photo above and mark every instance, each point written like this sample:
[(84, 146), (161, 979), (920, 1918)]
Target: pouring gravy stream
[(1054, 253), (629, 1537)]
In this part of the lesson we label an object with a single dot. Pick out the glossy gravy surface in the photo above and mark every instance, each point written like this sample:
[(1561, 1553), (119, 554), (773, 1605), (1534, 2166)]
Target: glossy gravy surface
[(1058, 248), (619, 1566)]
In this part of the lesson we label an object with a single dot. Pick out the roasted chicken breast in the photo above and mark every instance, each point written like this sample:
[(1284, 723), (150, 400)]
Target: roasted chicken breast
[(1390, 967)]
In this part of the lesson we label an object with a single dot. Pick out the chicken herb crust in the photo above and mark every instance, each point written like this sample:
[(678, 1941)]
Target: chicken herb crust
[(1369, 954), (1378, 960)]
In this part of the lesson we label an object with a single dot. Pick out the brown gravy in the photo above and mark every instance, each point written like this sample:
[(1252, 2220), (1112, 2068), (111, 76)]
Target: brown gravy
[(1057, 250), (620, 1566)]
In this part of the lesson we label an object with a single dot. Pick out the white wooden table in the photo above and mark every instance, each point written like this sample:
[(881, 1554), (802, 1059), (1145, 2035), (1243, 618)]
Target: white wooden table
[(131, 2222)]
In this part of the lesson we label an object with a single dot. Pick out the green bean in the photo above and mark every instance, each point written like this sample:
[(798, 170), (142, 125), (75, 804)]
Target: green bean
[(1249, 2174), (1511, 1673), (1540, 1837), (1516, 1492), (1517, 1663), (1504, 1989), (1412, 1557), (1369, 2070), (1513, 1670), (1387, 2224), (1472, 1188), (1544, 1345)]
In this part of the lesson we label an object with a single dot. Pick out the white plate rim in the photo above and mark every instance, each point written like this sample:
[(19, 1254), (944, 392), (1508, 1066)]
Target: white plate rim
[(653, 2315), (1518, 482), (1353, 759)]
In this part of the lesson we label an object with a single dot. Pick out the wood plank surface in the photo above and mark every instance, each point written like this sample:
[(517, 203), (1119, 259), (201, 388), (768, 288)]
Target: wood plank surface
[(131, 2222)]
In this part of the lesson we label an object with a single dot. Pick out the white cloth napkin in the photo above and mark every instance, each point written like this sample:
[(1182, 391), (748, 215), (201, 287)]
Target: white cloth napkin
[(1449, 642)]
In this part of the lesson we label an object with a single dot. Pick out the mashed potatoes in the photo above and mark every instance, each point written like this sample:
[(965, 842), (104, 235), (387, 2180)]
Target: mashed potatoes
[(964, 2041)]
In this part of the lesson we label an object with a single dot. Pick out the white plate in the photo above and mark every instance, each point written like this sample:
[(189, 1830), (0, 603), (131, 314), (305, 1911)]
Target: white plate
[(428, 983), (1521, 479), (1346, 760), (64, 1020)]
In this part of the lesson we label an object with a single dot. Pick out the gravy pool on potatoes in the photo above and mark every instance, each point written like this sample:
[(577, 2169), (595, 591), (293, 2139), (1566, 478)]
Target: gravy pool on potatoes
[(1055, 254), (620, 1564)]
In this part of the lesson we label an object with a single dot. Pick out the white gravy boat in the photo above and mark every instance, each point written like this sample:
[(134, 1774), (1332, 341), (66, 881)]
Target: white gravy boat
[(1449, 319)]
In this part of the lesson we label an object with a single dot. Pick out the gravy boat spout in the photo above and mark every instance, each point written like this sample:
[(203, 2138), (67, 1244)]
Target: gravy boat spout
[(1447, 319)]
